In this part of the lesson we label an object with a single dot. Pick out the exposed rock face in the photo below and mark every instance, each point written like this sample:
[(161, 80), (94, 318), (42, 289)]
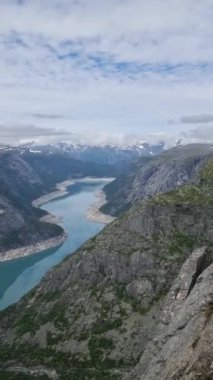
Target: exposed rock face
[(19, 221), (182, 347), (122, 307), (170, 170)]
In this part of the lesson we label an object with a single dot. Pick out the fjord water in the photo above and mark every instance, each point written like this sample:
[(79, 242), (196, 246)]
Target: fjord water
[(18, 276)]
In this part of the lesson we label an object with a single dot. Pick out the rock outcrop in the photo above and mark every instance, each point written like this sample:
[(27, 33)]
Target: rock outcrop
[(182, 345)]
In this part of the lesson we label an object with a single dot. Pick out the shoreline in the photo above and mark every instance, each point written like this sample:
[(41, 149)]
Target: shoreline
[(17, 253), (61, 190), (94, 214)]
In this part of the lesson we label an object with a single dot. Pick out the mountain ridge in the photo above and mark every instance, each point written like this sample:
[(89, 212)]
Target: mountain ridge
[(118, 155), (151, 176)]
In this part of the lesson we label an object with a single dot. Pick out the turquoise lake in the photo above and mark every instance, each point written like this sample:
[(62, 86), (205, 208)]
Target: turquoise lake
[(18, 276)]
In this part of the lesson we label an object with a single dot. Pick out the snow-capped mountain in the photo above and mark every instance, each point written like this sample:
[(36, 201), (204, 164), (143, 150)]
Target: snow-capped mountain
[(104, 154)]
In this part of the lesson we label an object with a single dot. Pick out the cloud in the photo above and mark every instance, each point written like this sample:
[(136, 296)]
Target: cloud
[(105, 67), (18, 133), (200, 134), (197, 119), (48, 116)]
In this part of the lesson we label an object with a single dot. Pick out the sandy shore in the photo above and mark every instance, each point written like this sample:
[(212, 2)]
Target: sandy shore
[(13, 254), (51, 218), (62, 189), (94, 214)]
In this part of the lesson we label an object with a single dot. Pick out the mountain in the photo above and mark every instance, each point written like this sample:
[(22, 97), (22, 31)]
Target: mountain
[(134, 302), (118, 156), (25, 176), (150, 176), (58, 166)]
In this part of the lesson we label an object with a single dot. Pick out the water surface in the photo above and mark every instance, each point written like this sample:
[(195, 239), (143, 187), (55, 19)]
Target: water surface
[(18, 276)]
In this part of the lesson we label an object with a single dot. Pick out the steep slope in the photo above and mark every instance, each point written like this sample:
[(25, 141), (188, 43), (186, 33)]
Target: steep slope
[(165, 172), (182, 346), (102, 312), (19, 221), (26, 176), (57, 167)]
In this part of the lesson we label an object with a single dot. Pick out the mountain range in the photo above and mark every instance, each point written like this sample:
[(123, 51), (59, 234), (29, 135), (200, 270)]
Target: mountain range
[(116, 155)]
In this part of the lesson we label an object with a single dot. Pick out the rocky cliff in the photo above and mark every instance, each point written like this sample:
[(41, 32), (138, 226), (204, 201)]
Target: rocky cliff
[(182, 344), (19, 221), (148, 177), (135, 302)]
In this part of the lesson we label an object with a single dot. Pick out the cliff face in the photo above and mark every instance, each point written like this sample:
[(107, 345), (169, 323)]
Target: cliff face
[(135, 302), (182, 344), (19, 221), (170, 170)]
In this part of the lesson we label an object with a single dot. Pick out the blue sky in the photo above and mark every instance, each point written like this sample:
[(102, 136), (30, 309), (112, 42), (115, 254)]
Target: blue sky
[(106, 71)]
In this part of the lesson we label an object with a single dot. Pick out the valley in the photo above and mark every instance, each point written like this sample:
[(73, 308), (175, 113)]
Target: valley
[(133, 301), (18, 276), (26, 177)]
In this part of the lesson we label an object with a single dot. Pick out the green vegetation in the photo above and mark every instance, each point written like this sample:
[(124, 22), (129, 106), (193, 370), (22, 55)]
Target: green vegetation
[(8, 375), (98, 346), (49, 296), (53, 339), (178, 243), (200, 193), (209, 311), (57, 315), (29, 322), (102, 326), (70, 367), (136, 304)]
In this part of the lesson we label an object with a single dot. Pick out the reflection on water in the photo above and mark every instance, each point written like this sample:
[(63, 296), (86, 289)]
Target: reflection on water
[(18, 276)]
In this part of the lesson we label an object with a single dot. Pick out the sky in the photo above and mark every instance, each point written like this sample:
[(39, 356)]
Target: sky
[(106, 71)]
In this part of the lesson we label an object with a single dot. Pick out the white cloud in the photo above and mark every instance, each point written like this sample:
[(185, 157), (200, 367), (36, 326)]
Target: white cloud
[(194, 119), (18, 132), (103, 67), (202, 133)]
